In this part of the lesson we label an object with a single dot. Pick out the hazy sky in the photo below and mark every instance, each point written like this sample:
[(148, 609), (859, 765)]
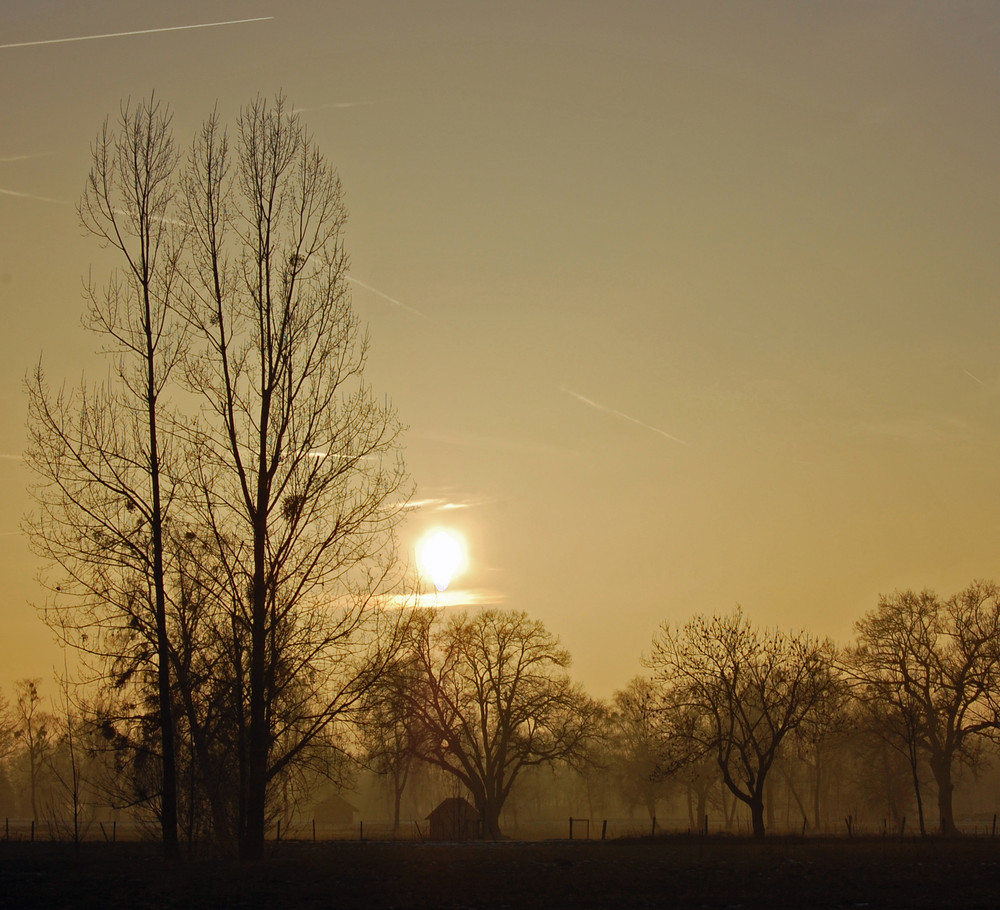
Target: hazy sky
[(685, 303)]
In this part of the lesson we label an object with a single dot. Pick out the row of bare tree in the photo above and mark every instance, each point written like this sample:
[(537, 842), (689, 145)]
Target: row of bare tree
[(485, 698), (217, 517), (924, 674)]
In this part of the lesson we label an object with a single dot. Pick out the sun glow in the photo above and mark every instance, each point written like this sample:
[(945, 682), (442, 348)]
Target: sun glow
[(441, 556)]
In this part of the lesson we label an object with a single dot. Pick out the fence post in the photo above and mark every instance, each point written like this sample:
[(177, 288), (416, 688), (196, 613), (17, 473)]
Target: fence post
[(32, 830), (314, 830), (604, 830), (6, 828), (705, 825), (279, 830), (652, 833), (361, 830), (993, 833), (571, 827), (114, 830)]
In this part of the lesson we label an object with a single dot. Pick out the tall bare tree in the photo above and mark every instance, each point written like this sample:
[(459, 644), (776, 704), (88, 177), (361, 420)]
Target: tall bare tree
[(930, 670), (491, 698), (300, 480), (733, 691), (99, 453)]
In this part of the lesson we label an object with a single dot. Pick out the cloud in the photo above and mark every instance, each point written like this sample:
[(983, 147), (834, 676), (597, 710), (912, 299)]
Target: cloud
[(18, 195), (7, 456), (615, 413), (144, 31), (391, 300), (451, 599), (445, 505)]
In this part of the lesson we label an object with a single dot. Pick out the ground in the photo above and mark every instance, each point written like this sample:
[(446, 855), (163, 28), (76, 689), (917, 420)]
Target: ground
[(666, 872)]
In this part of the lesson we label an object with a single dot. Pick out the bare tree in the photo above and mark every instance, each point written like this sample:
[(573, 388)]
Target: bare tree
[(634, 743), (102, 493), (35, 733), (735, 692), (8, 743), (8, 727), (491, 698), (67, 765), (814, 743), (300, 480), (389, 733), (928, 670)]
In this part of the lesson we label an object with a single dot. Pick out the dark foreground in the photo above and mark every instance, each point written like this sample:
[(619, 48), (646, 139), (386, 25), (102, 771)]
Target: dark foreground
[(668, 872)]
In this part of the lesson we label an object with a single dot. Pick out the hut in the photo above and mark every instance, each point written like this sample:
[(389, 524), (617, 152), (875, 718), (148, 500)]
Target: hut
[(455, 819), (334, 810)]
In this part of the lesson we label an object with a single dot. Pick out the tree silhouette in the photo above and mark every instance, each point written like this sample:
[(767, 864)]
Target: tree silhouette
[(491, 697), (930, 669), (223, 564), (299, 474), (100, 454), (735, 692)]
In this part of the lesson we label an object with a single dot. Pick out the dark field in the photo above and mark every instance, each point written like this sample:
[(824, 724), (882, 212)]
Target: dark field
[(668, 872)]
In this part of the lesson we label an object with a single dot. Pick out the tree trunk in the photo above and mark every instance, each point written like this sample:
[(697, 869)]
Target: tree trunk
[(912, 757), (168, 799), (942, 777), (757, 814), (397, 799), (817, 785), (489, 813), (252, 846)]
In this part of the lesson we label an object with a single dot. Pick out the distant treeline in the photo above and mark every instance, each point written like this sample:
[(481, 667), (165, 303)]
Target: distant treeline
[(736, 728)]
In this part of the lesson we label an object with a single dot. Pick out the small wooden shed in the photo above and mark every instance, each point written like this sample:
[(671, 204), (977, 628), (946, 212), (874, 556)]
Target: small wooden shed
[(334, 810), (455, 819)]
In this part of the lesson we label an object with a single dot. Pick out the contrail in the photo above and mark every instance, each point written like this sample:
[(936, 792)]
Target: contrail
[(10, 158), (622, 415), (392, 300), (33, 196), (335, 104), (144, 31), (971, 376)]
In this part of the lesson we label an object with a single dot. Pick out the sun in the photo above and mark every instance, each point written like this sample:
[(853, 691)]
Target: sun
[(441, 556)]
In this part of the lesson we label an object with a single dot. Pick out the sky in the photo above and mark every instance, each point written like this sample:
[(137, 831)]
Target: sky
[(685, 305)]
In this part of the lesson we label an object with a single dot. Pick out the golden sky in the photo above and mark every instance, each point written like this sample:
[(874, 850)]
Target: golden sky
[(684, 303)]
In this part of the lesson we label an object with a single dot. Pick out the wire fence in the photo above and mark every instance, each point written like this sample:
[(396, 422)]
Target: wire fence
[(577, 828)]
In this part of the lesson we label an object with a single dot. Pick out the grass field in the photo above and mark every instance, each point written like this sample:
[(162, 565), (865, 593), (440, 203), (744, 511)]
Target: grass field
[(666, 872)]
